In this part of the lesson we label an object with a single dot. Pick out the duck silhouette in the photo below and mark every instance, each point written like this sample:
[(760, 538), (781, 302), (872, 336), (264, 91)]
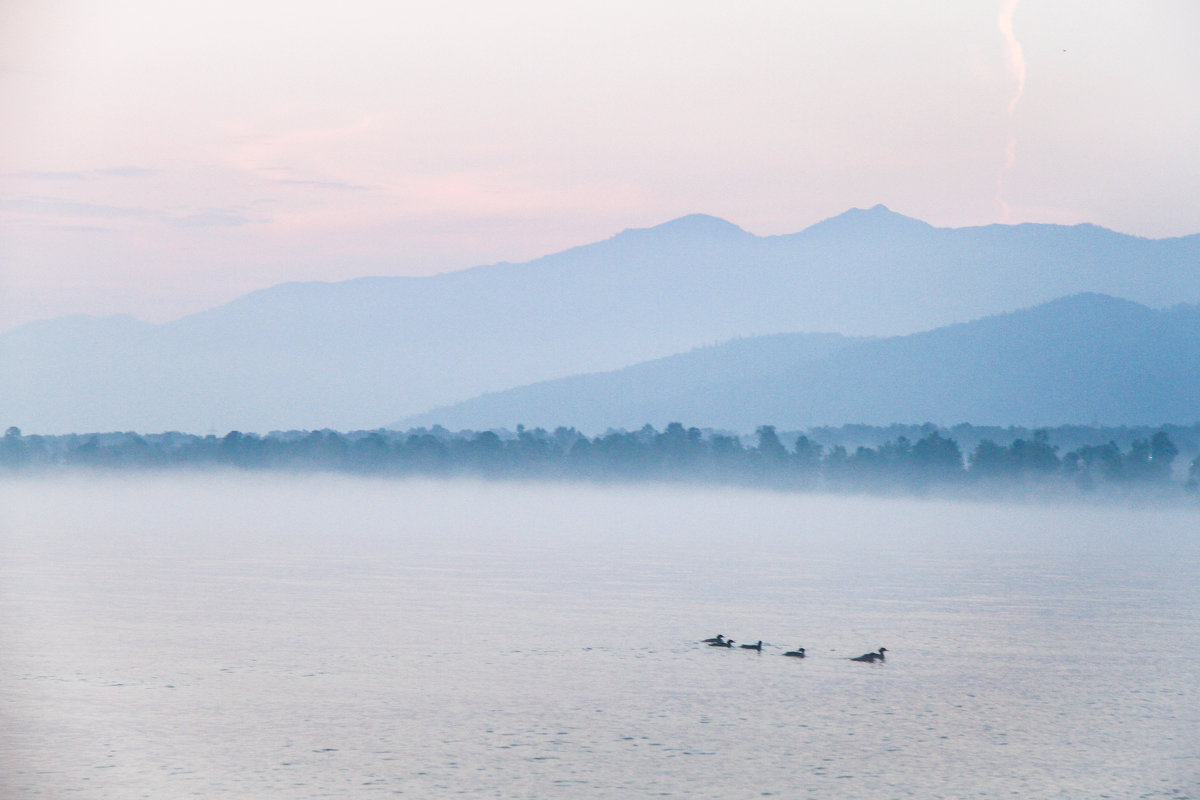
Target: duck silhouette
[(757, 647), (724, 643), (720, 637), (871, 658), (797, 653)]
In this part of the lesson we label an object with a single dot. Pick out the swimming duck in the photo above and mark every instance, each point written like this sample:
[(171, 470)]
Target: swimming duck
[(797, 653), (871, 658), (757, 647), (720, 637), (725, 643)]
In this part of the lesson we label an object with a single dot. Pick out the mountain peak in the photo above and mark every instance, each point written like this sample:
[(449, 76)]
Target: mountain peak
[(1086, 305), (691, 225), (876, 218)]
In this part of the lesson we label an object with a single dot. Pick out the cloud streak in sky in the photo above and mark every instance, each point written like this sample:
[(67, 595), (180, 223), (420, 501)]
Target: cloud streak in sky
[(214, 218), (59, 207), (81, 175)]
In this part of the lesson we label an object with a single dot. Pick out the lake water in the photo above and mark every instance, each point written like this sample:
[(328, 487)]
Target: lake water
[(257, 637)]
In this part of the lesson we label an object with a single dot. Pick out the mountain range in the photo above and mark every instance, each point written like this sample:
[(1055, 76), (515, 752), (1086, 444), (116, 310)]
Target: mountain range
[(367, 352)]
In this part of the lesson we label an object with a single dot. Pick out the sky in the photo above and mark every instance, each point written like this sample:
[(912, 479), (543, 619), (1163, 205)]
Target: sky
[(157, 159)]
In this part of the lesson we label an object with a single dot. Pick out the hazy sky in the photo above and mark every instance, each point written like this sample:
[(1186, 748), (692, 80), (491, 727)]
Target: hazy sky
[(158, 157)]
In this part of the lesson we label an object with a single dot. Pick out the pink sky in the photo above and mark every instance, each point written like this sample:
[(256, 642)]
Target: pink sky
[(159, 158)]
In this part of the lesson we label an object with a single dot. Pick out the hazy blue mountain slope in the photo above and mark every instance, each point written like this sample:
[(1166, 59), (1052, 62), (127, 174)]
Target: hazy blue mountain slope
[(363, 352), (642, 393), (1088, 358)]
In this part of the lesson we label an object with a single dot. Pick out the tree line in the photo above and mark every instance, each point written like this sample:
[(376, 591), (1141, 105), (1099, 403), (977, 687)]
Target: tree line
[(769, 458)]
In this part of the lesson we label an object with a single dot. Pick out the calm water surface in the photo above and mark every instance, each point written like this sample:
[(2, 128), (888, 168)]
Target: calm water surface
[(322, 637)]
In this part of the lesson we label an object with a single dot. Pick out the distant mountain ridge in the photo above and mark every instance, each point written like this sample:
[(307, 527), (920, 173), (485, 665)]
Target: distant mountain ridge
[(364, 352), (643, 391), (1086, 358)]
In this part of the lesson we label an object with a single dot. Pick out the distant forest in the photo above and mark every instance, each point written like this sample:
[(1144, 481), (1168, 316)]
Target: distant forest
[(896, 458)]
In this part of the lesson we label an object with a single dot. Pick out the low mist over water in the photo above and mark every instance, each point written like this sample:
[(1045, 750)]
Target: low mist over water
[(248, 635)]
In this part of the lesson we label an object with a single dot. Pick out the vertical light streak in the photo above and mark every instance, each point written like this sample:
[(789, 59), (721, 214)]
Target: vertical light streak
[(1014, 57)]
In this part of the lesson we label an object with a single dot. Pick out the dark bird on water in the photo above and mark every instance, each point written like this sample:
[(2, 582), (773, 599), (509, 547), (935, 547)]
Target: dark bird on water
[(797, 653), (757, 647), (871, 658), (723, 643), (720, 637)]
